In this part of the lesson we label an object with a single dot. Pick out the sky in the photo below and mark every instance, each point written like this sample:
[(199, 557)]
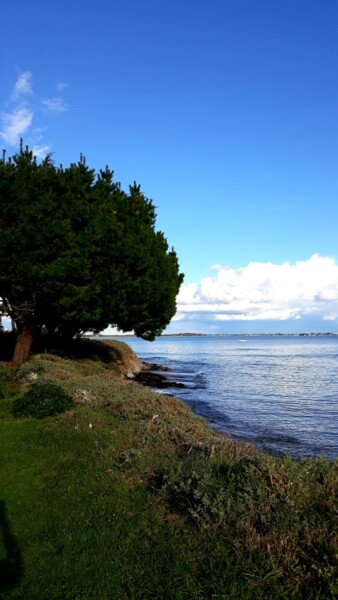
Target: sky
[(226, 113)]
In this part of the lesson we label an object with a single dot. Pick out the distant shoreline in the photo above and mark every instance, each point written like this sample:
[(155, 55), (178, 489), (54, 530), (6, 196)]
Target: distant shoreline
[(240, 335)]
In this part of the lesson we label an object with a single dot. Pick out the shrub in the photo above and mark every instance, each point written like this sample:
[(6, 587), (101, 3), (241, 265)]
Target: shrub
[(36, 365), (42, 400), (197, 493)]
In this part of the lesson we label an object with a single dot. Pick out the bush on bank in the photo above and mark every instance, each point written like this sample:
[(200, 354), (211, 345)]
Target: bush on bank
[(42, 400)]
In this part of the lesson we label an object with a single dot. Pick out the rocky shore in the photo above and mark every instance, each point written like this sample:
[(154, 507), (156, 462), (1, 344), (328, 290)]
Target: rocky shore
[(153, 375)]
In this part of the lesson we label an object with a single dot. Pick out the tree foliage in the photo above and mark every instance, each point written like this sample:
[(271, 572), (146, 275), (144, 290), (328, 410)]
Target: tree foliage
[(77, 253)]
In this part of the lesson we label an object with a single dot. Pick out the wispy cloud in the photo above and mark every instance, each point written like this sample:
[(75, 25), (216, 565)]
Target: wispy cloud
[(264, 291), (41, 151), (27, 108), (23, 86), (56, 105), (15, 124)]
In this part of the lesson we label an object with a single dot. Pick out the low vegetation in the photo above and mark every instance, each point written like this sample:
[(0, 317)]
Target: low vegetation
[(128, 495), (42, 400)]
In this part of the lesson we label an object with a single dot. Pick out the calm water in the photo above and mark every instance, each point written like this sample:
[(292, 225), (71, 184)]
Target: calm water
[(280, 393)]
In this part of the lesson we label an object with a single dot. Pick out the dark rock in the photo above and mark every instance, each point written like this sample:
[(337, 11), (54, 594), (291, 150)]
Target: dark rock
[(154, 367), (148, 378)]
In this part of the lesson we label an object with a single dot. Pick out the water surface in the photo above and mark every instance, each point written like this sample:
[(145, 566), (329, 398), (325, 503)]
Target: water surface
[(276, 392)]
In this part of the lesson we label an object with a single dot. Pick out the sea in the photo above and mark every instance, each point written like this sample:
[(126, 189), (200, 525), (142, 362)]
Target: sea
[(279, 393)]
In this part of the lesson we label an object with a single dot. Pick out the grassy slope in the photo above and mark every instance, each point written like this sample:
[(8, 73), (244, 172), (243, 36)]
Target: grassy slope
[(130, 496)]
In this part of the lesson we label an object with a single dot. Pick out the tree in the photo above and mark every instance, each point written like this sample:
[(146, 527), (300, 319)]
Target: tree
[(78, 254)]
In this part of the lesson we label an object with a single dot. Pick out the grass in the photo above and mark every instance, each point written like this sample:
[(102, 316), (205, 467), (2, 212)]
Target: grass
[(130, 496)]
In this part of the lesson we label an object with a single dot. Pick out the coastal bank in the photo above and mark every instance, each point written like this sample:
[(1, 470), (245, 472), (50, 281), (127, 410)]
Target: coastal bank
[(128, 494)]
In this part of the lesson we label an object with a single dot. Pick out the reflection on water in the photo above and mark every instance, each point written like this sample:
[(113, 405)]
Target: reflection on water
[(278, 392)]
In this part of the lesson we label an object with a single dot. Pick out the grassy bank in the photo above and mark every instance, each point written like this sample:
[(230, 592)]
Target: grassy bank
[(130, 496)]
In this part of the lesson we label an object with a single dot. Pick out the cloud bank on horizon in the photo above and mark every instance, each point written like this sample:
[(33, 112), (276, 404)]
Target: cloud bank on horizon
[(260, 292), (260, 297), (22, 109)]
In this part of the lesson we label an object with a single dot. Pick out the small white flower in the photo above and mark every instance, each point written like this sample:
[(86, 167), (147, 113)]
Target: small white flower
[(32, 376)]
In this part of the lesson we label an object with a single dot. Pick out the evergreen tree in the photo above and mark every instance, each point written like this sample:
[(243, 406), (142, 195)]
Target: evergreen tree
[(78, 254)]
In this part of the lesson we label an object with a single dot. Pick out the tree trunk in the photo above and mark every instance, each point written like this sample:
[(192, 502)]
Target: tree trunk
[(23, 346)]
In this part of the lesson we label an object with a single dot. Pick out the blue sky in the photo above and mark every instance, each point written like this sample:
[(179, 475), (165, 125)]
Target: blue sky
[(226, 113)]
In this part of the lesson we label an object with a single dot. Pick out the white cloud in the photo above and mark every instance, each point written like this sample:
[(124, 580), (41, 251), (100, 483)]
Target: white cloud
[(265, 291), (41, 151), (22, 86), (56, 105), (15, 124)]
